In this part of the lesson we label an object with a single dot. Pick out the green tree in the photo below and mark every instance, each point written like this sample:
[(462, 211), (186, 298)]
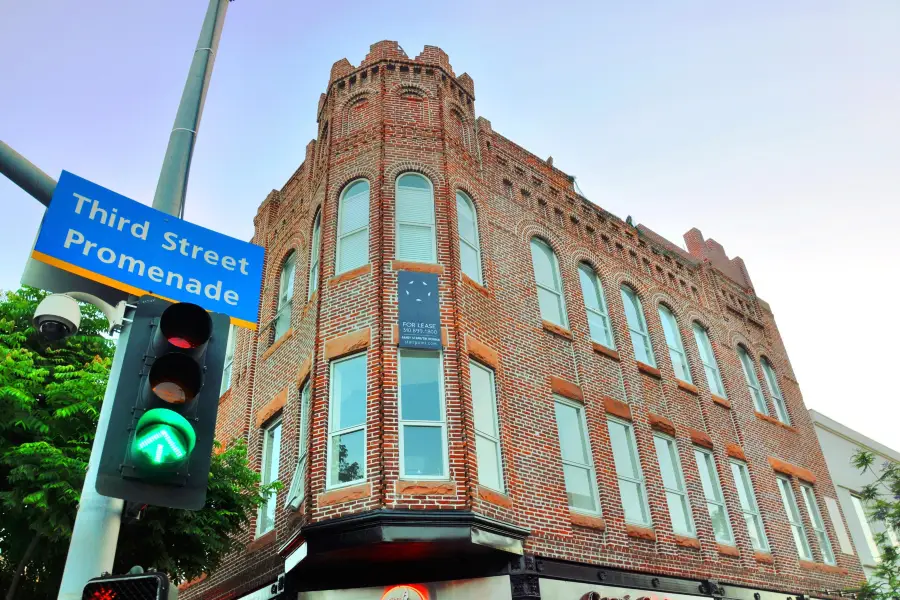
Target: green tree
[(882, 499), (50, 397)]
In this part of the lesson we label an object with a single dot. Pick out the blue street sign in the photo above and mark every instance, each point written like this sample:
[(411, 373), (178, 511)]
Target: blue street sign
[(419, 310), (96, 233)]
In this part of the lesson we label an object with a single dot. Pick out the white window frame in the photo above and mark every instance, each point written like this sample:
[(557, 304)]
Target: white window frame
[(560, 296), (672, 446), (795, 520), (297, 492), (676, 346), (400, 222), (262, 522), (771, 378), (710, 369), (742, 481), (473, 244), (332, 432), (630, 295), (752, 380), (339, 266), (640, 481), (589, 466), (481, 433), (442, 424), (316, 240), (228, 367), (608, 339), (863, 518), (714, 480), (818, 524), (285, 295)]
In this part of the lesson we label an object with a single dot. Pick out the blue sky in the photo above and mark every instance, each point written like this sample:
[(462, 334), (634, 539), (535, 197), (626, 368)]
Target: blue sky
[(773, 127)]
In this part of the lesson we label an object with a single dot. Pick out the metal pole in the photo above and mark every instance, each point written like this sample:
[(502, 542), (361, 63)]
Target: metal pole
[(173, 179), (26, 175), (96, 531)]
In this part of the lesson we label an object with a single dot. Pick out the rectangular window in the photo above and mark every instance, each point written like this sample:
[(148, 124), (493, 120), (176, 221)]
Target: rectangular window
[(285, 296), (749, 507), (837, 522), (269, 474), (637, 326), (673, 481), (595, 304), (715, 502), (314, 255), (347, 422), (423, 425), (815, 517), (775, 391), (759, 402), (229, 360), (863, 519), (710, 366), (353, 227), (487, 429), (298, 483), (577, 460), (628, 471), (673, 341), (798, 530)]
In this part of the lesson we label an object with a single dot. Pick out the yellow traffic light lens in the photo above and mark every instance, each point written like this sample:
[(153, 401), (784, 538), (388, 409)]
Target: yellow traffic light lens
[(175, 378)]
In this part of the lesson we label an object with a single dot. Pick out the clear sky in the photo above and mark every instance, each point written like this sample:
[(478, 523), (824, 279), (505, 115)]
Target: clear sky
[(774, 127)]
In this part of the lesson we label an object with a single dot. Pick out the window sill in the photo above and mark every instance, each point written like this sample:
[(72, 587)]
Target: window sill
[(823, 568), (278, 343), (589, 521), (494, 497), (419, 267), (764, 558), (351, 274), (688, 387), (437, 487), (641, 533), (726, 550), (556, 329), (648, 370), (263, 541), (475, 285), (686, 541), (609, 352), (721, 401), (775, 421), (345, 494)]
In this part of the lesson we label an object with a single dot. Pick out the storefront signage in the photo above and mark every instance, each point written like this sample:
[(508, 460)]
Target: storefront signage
[(419, 310)]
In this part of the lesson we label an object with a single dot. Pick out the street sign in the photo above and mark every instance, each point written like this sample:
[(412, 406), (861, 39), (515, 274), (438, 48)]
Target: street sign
[(419, 310), (103, 236)]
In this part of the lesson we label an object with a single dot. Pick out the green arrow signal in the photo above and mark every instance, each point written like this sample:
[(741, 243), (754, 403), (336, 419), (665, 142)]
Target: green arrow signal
[(163, 438), (159, 443)]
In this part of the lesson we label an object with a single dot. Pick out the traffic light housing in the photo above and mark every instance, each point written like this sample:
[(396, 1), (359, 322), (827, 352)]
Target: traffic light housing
[(143, 586), (159, 441)]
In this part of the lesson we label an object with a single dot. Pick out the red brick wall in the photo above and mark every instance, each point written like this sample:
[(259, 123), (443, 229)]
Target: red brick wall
[(394, 114)]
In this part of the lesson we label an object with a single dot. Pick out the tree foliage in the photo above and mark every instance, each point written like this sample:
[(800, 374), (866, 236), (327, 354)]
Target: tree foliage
[(50, 398), (882, 499)]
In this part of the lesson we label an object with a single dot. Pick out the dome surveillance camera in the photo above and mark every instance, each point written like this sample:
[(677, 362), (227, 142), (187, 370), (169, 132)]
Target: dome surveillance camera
[(57, 317)]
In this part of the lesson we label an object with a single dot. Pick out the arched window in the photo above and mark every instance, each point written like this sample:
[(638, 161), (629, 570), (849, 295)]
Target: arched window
[(353, 227), (314, 255), (676, 347), (759, 402), (710, 366), (469, 248), (595, 303), (775, 391), (549, 283), (285, 295), (415, 219), (637, 325)]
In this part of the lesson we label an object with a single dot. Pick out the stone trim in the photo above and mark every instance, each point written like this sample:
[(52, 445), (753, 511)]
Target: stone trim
[(419, 267), (823, 568), (648, 370), (494, 497), (482, 352), (661, 424), (277, 343), (700, 438), (304, 370), (351, 274), (271, 408), (425, 488), (617, 408), (347, 494), (735, 451), (566, 388), (643, 533), (477, 286), (601, 349), (687, 542), (264, 541), (556, 329), (726, 550), (775, 421), (225, 397), (688, 387), (589, 521), (763, 557), (347, 344), (793, 470), (724, 402)]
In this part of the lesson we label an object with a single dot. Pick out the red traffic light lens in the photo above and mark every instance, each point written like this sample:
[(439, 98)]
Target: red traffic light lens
[(100, 592), (186, 326)]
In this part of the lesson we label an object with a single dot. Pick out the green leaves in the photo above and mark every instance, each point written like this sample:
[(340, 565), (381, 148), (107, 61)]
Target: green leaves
[(882, 500)]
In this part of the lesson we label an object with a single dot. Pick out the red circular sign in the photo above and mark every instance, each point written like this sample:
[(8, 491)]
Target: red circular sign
[(406, 592)]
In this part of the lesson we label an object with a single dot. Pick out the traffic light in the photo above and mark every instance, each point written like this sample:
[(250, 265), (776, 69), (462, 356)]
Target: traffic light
[(143, 586), (159, 442)]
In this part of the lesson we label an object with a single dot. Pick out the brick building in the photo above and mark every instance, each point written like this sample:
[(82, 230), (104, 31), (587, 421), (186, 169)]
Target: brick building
[(608, 412)]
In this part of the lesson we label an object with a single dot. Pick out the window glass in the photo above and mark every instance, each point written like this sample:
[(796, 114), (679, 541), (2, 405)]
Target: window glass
[(628, 471), (863, 519), (353, 227), (775, 391), (673, 341), (314, 255), (578, 466), (595, 304), (640, 339), (415, 219), (715, 503), (467, 226), (673, 482), (759, 402), (270, 459), (710, 366), (297, 491), (749, 508), (347, 430), (798, 530), (229, 360), (549, 283), (487, 434), (423, 435), (285, 296), (815, 517)]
